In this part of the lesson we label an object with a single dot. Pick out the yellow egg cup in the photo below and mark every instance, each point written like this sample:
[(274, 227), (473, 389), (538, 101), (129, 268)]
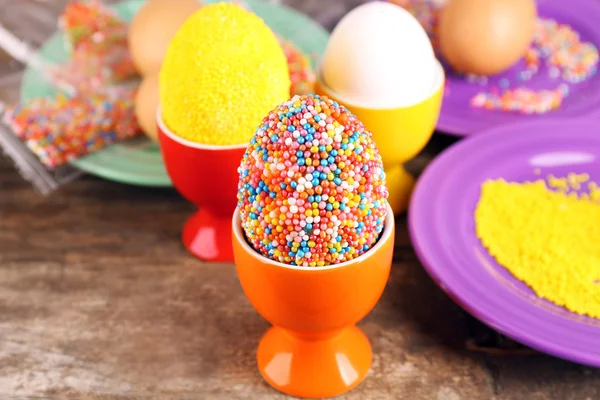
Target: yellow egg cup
[(400, 134)]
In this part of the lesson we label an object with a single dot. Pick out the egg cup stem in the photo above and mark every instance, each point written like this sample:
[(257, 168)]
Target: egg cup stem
[(314, 365), (207, 236), (314, 349), (400, 186)]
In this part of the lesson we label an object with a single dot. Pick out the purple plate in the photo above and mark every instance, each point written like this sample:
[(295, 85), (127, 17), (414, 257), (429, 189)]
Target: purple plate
[(442, 229), (457, 117)]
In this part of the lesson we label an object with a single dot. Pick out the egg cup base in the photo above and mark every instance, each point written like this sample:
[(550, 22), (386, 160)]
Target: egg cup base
[(400, 186), (207, 236), (314, 349), (308, 367)]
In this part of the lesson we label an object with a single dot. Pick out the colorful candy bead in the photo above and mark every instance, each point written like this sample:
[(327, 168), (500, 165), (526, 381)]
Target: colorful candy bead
[(564, 50), (99, 53), (81, 20), (60, 129), (312, 188)]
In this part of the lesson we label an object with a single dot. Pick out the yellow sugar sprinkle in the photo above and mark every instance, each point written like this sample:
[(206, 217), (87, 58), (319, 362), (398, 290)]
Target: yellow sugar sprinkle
[(548, 239), (558, 183), (224, 71), (594, 191), (571, 181)]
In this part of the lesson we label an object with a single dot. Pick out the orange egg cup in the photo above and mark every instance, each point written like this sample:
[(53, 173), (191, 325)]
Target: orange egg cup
[(314, 349), (400, 133), (207, 177)]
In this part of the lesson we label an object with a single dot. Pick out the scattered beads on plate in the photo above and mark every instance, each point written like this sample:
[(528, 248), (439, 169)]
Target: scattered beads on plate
[(81, 20), (566, 54), (559, 48), (556, 46), (426, 12), (312, 188), (522, 100), (90, 71), (61, 129), (97, 41)]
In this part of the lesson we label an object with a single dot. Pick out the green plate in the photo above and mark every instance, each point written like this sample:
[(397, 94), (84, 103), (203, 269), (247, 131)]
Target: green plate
[(138, 161)]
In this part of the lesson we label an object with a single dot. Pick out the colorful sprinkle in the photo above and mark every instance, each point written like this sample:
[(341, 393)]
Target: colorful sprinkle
[(97, 39), (60, 129), (564, 51), (81, 20), (302, 74), (523, 100), (312, 188)]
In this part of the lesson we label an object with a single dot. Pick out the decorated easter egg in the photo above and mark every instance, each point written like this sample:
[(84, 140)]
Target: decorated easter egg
[(312, 188), (223, 71), (485, 37)]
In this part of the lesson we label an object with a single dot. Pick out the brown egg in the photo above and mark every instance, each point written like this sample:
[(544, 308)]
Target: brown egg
[(153, 27), (485, 37), (146, 105)]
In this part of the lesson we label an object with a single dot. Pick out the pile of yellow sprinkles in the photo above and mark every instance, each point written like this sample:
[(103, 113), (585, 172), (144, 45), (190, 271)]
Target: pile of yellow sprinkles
[(547, 235)]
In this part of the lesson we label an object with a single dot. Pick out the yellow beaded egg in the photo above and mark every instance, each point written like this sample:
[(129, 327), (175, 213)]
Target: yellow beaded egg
[(223, 72)]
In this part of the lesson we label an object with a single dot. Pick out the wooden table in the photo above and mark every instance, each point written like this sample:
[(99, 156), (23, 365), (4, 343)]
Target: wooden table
[(99, 300)]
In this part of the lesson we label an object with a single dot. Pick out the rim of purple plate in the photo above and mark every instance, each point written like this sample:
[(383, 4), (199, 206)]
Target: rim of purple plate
[(459, 119), (478, 291)]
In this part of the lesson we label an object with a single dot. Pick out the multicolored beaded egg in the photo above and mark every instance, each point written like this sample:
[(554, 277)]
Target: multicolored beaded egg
[(312, 188)]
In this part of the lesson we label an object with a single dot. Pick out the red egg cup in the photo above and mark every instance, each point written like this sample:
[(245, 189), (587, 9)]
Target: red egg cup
[(206, 175)]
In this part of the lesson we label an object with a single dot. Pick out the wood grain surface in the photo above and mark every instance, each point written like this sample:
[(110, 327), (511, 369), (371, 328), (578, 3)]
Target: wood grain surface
[(99, 300)]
